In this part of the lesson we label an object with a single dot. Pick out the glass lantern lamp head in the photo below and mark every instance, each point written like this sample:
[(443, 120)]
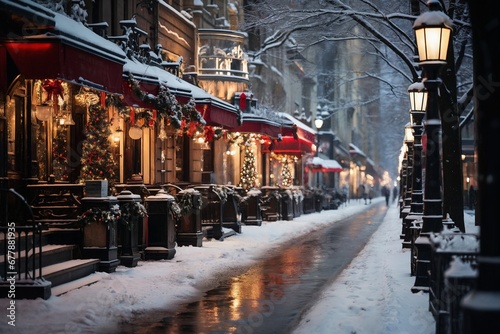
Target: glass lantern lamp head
[(433, 32), (408, 133), (418, 97), (318, 122)]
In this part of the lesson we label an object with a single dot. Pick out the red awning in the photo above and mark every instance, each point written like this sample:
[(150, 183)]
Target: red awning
[(302, 130), (297, 137), (64, 49), (3, 74), (215, 111), (290, 145), (149, 78), (257, 124), (65, 62), (325, 166)]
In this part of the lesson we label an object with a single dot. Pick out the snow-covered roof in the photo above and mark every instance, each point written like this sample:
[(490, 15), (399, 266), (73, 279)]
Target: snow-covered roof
[(65, 29)]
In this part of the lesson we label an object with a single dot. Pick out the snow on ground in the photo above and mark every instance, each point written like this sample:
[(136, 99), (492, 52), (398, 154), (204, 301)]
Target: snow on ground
[(371, 296)]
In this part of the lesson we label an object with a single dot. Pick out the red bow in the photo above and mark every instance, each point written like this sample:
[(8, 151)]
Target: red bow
[(53, 88)]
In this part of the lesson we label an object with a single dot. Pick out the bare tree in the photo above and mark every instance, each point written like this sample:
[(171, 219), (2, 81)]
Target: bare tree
[(385, 29)]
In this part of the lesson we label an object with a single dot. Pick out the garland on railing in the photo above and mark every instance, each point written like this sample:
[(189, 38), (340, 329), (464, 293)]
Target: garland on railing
[(221, 193), (188, 202), (130, 212), (99, 215)]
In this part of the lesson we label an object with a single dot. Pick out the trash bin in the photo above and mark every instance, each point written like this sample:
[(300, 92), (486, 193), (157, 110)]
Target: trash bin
[(189, 231), (130, 222), (160, 227)]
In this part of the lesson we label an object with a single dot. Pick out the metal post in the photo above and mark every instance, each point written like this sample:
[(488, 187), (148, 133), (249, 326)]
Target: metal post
[(432, 212)]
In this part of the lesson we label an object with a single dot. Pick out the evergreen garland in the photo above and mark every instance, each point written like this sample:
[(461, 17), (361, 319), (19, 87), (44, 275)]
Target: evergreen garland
[(108, 217), (180, 116), (97, 158), (131, 212)]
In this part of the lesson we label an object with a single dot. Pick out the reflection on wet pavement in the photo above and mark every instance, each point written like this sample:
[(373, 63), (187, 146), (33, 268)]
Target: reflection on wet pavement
[(270, 296)]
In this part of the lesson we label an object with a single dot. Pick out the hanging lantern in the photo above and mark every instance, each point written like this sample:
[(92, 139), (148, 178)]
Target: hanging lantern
[(135, 132), (43, 112), (418, 97), (162, 134), (433, 31)]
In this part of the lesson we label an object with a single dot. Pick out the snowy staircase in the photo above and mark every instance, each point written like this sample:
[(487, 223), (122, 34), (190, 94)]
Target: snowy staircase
[(61, 264)]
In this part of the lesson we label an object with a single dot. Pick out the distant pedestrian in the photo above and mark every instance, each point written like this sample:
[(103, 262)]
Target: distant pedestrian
[(394, 193), (366, 192), (472, 198), (361, 192), (386, 192)]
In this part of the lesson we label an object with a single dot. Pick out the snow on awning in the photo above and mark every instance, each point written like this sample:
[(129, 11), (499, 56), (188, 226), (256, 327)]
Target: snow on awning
[(256, 124), (149, 78), (60, 48), (318, 164), (214, 110), (354, 150), (303, 131)]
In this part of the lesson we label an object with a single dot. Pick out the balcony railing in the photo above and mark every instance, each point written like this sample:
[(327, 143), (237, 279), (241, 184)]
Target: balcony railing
[(222, 53)]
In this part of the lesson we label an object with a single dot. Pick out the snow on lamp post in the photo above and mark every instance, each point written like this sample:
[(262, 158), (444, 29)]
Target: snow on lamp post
[(432, 31)]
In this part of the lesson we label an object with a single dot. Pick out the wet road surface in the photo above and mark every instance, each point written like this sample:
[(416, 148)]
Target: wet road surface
[(270, 296)]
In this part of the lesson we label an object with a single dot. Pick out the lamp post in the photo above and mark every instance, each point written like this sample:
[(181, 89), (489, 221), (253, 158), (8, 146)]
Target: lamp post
[(318, 123), (408, 141), (432, 32), (413, 221)]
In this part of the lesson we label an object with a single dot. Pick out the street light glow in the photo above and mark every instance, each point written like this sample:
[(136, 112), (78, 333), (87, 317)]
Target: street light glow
[(432, 32)]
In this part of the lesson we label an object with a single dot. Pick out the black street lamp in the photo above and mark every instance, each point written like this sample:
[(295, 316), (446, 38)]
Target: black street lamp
[(408, 141), (433, 31), (318, 123), (418, 105), (413, 221)]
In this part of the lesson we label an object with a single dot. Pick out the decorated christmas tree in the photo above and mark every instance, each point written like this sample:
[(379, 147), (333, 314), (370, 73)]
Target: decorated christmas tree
[(248, 175), (97, 158), (286, 175)]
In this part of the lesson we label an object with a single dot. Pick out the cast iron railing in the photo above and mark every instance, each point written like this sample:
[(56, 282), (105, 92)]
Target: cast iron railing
[(21, 239)]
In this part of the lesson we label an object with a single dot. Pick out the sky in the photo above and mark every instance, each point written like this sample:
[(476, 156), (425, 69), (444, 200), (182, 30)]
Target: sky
[(375, 287)]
